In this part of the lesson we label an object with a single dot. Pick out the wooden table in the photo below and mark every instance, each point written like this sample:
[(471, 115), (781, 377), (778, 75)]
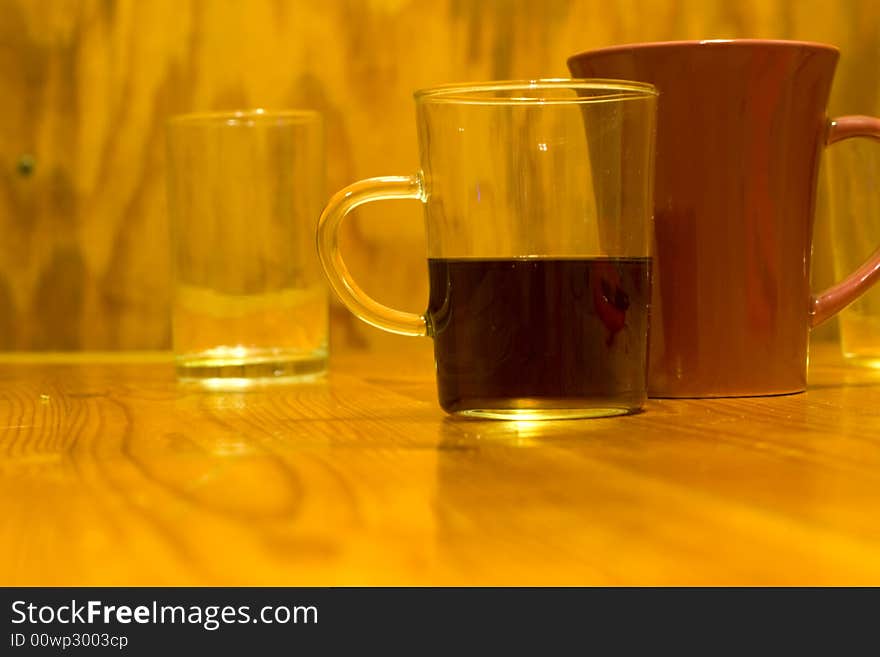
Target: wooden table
[(111, 473)]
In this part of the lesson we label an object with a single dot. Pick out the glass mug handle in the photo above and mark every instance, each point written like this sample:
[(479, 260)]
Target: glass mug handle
[(837, 297), (349, 292)]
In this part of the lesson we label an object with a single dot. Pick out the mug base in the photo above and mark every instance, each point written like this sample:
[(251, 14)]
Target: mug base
[(722, 394), (528, 410), (522, 415)]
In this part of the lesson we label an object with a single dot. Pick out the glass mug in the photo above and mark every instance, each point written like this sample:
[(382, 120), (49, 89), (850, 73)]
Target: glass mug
[(537, 199)]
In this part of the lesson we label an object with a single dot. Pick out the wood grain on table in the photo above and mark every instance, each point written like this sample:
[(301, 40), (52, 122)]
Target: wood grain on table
[(112, 473)]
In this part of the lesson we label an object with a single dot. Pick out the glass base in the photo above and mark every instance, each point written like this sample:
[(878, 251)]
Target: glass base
[(860, 333), (548, 414), (544, 409), (227, 372), (869, 361)]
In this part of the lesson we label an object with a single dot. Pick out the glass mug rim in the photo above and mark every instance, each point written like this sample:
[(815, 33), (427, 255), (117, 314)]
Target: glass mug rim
[(245, 118), (480, 93)]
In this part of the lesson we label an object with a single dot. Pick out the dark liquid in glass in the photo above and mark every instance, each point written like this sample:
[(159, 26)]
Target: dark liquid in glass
[(548, 336)]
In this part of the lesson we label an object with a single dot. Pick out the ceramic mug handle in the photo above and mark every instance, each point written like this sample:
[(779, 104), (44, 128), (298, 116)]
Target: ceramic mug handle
[(837, 297)]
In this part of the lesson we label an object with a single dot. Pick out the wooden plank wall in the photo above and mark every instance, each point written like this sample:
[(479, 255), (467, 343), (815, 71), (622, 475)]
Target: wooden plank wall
[(86, 86)]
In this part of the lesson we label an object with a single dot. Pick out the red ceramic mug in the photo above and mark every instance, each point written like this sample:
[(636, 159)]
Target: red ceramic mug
[(741, 127)]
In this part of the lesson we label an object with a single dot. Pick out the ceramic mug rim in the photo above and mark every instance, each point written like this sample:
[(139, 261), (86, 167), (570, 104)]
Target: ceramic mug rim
[(707, 43)]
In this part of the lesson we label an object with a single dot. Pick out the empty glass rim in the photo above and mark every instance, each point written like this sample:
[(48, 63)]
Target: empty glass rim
[(480, 93), (246, 117)]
